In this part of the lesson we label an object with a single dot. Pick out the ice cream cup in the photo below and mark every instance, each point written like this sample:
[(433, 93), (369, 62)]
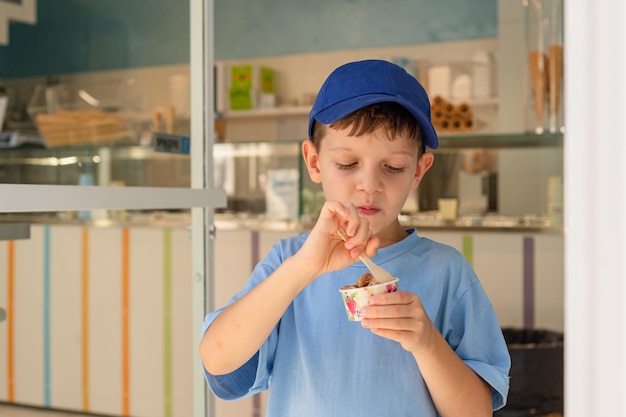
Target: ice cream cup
[(356, 298)]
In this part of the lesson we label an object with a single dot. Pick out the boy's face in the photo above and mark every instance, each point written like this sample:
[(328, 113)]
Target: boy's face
[(369, 171)]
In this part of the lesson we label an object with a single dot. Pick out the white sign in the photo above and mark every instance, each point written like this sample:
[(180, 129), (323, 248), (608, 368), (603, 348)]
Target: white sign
[(11, 11)]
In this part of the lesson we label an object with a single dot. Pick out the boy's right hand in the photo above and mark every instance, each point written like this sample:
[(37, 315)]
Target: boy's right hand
[(325, 251)]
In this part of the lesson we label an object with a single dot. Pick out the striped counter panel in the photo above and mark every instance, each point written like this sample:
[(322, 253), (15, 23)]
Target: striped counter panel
[(98, 320)]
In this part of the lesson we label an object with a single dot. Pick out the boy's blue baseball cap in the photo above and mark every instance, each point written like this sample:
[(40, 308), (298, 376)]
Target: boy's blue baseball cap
[(358, 84)]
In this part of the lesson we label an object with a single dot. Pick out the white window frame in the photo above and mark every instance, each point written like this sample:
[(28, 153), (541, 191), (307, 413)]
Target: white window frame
[(201, 198), (595, 208)]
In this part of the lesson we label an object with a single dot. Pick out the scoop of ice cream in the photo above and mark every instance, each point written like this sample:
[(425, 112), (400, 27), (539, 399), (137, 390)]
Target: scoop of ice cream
[(364, 280)]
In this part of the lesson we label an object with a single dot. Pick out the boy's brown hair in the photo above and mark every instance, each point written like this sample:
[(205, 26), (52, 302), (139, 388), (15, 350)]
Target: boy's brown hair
[(393, 118)]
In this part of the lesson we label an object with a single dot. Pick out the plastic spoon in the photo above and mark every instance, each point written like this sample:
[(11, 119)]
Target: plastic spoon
[(381, 275)]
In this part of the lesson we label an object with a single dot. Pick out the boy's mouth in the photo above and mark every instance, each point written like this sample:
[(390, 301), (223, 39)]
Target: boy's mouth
[(367, 210)]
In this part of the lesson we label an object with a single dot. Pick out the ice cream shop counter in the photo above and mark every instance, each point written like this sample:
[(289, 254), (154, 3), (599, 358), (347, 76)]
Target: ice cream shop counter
[(92, 296)]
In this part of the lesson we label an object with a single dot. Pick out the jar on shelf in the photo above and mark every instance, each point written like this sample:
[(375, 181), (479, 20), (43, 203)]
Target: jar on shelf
[(544, 44)]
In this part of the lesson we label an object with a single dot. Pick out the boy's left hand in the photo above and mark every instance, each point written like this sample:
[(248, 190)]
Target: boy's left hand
[(399, 316)]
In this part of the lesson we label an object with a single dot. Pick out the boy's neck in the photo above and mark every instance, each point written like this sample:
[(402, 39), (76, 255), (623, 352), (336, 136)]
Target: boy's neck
[(393, 233)]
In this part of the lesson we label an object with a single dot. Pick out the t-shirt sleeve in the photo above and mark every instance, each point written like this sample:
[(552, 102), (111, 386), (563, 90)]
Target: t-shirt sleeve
[(253, 376), (477, 338)]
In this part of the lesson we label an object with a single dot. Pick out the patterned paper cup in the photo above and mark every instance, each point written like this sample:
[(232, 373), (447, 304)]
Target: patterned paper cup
[(356, 298)]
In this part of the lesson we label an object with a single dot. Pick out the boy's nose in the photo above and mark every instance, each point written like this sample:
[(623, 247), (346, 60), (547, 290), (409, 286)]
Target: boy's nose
[(370, 182)]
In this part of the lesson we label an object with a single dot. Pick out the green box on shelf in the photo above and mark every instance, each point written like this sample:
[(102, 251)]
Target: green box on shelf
[(240, 99), (241, 77), (267, 80), (247, 83)]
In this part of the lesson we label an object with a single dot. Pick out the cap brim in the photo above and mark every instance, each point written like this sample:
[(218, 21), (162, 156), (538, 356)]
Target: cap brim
[(337, 111)]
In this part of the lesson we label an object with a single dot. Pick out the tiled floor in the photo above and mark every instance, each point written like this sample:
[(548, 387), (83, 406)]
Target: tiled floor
[(8, 410)]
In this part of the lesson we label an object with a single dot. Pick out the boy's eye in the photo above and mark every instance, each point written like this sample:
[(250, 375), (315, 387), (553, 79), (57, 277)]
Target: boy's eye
[(395, 169), (390, 168), (346, 166)]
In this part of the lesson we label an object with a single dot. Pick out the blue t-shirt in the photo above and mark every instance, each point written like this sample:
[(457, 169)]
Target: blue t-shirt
[(319, 364)]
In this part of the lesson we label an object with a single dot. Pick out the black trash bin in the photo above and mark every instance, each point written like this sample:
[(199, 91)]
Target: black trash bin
[(536, 384)]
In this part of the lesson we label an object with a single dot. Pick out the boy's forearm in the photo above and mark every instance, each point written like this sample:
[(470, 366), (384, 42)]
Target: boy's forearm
[(455, 388), (240, 330)]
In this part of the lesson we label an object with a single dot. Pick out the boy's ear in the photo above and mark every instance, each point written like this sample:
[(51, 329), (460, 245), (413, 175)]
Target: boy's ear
[(423, 165), (311, 159)]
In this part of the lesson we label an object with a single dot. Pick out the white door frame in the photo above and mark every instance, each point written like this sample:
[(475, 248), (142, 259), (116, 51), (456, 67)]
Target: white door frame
[(202, 230), (595, 208)]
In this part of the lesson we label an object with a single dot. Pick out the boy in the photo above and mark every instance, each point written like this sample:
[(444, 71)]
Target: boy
[(432, 348)]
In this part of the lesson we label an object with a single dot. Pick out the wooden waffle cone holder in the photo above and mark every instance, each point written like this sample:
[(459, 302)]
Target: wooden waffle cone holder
[(449, 117), (80, 127)]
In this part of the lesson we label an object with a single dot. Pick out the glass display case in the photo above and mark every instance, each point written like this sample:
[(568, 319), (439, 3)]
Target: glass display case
[(263, 178), (94, 165), (499, 180)]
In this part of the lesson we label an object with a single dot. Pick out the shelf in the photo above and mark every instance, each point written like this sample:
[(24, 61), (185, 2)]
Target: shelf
[(447, 141), (499, 140), (305, 110), (270, 112)]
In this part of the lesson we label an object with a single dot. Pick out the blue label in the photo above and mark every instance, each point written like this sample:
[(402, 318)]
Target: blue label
[(185, 144)]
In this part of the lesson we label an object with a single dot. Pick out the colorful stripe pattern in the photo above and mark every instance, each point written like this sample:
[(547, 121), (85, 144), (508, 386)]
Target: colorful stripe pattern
[(46, 317), (85, 321), (468, 248), (126, 321), (85, 318), (11, 322), (167, 323), (255, 258), (529, 282)]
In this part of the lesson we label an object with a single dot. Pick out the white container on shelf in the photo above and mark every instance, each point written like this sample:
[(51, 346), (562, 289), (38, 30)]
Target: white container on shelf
[(281, 194)]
